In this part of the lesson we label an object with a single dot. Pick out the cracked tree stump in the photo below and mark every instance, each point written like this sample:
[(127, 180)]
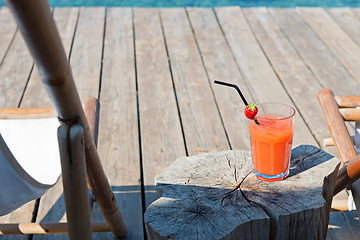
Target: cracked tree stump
[(217, 196)]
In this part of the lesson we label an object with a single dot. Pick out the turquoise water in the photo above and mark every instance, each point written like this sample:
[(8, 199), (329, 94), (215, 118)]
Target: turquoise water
[(203, 3)]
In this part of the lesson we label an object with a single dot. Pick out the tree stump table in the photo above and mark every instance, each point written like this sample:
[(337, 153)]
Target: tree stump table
[(217, 196)]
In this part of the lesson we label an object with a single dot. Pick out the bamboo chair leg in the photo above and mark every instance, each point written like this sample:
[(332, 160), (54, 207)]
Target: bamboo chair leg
[(92, 113), (72, 155)]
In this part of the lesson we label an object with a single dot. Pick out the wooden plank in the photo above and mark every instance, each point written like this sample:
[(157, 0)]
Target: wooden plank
[(35, 94), (255, 67), (342, 46), (220, 64), (7, 31), (299, 82), (14, 73), (295, 75), (161, 136), (85, 59), (343, 225), (202, 124), (323, 64), (348, 19), (118, 139)]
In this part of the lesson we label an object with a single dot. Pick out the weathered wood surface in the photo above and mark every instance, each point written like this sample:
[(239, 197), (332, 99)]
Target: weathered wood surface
[(343, 47), (348, 19), (142, 117), (219, 63), (15, 70), (160, 126), (299, 81), (86, 54), (35, 94), (118, 133), (217, 196), (314, 52), (319, 59), (7, 31), (203, 130), (343, 225)]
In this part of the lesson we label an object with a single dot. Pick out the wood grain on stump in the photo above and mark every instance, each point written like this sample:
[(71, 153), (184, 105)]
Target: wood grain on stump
[(217, 196)]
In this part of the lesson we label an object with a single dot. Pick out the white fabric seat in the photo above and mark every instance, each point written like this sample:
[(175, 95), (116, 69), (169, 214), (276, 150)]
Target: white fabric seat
[(29, 160)]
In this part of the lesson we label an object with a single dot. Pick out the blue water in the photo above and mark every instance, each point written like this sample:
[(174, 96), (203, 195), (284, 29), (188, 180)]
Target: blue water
[(203, 3)]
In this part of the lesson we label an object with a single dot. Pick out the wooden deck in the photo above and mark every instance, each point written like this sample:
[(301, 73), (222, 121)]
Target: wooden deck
[(153, 71)]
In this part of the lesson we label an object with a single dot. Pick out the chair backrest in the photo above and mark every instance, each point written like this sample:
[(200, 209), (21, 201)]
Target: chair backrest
[(29, 160)]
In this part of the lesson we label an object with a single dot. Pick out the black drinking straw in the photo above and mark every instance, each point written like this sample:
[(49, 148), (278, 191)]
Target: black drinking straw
[(238, 90)]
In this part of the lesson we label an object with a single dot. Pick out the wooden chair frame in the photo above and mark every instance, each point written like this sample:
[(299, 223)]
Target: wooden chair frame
[(337, 110), (76, 201), (38, 28)]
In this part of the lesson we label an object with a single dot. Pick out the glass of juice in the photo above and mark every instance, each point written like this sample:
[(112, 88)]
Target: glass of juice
[(271, 140)]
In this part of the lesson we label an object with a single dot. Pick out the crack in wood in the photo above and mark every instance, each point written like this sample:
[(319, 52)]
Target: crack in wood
[(235, 175), (228, 161), (197, 214), (225, 195)]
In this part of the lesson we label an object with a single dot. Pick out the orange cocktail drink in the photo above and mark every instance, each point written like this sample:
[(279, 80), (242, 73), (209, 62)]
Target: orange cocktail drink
[(271, 140)]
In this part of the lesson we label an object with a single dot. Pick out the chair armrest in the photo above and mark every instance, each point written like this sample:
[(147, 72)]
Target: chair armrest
[(336, 125)]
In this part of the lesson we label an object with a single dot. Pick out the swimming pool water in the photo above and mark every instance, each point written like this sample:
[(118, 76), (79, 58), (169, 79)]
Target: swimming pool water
[(202, 3)]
